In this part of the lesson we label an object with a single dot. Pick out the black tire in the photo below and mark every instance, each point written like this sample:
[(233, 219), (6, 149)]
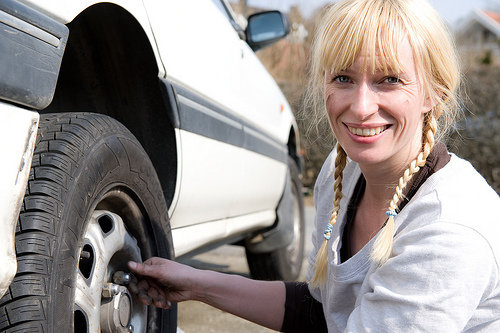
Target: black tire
[(90, 180), (285, 263)]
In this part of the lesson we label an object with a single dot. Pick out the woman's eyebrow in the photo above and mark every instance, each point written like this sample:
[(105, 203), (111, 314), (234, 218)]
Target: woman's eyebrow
[(343, 71), (379, 70), (388, 71)]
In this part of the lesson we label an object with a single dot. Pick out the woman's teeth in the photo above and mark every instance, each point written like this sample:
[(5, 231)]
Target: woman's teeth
[(367, 131)]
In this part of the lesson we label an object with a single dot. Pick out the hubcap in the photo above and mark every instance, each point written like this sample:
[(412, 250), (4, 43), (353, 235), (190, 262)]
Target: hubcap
[(101, 304), (116, 309)]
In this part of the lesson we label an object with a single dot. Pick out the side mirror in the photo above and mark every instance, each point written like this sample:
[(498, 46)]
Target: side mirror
[(265, 28)]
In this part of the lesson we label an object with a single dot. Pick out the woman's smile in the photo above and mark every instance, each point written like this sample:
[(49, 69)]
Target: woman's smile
[(366, 131), (365, 134)]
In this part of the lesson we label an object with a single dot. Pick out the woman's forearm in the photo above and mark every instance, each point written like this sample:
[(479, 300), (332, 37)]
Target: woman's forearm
[(162, 281), (262, 302)]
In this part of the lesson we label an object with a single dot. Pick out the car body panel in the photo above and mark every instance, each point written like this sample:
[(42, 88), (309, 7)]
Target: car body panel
[(193, 237), (209, 57), (203, 203), (65, 11), (17, 137), (215, 74)]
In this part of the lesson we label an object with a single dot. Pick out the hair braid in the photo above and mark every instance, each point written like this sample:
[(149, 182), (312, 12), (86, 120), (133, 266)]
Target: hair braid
[(382, 247), (322, 255)]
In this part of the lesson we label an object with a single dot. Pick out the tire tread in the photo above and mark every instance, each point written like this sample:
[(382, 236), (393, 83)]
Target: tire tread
[(60, 142)]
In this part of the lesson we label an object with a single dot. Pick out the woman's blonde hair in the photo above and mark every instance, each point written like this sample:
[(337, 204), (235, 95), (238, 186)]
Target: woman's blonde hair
[(377, 27)]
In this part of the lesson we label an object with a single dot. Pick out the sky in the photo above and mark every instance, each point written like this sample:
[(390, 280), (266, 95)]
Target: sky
[(451, 10)]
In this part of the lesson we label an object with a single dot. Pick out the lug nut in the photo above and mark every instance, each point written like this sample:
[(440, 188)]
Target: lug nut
[(84, 255), (122, 278), (130, 328), (110, 290)]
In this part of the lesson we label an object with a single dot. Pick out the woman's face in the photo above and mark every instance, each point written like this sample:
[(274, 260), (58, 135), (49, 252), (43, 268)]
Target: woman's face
[(378, 117)]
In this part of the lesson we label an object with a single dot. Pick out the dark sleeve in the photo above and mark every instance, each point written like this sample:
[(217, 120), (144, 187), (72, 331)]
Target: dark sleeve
[(302, 312)]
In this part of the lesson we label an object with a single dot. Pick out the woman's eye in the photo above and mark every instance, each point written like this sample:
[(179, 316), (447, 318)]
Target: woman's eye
[(392, 80), (341, 79)]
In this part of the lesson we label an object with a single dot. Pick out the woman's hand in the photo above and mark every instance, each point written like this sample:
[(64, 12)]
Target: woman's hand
[(162, 281)]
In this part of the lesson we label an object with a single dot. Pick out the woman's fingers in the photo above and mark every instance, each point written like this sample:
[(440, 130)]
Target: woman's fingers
[(153, 267), (141, 289), (144, 297), (140, 268), (133, 287), (149, 292), (159, 298)]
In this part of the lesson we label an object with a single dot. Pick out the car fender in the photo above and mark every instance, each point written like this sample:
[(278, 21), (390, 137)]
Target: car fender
[(64, 11), (18, 130)]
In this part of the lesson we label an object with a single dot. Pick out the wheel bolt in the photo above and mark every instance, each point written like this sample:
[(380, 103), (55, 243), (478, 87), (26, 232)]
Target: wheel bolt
[(110, 290), (122, 278), (130, 328), (85, 255)]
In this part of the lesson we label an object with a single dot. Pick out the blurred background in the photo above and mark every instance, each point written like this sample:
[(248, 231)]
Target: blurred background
[(476, 27)]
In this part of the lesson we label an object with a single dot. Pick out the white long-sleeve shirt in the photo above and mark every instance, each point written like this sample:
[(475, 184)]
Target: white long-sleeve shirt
[(443, 275)]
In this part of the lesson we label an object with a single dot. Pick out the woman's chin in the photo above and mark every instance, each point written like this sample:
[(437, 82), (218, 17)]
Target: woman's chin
[(365, 156)]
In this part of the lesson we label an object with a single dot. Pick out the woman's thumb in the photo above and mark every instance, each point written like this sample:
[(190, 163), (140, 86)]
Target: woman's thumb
[(135, 266)]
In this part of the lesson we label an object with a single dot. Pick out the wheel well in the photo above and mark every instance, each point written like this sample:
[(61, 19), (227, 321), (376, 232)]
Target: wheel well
[(109, 68)]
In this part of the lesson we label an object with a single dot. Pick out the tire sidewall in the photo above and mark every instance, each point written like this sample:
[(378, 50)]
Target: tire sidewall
[(289, 270), (114, 160), (277, 264)]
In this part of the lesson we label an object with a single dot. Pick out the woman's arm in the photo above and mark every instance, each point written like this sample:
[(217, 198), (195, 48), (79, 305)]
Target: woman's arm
[(165, 281)]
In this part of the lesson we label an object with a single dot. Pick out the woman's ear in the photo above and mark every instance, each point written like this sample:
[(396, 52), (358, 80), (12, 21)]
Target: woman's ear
[(431, 101)]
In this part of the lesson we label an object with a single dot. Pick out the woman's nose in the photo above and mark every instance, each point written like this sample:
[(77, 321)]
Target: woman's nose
[(364, 102)]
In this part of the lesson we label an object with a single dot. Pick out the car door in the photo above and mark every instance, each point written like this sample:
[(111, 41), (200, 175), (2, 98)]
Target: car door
[(228, 158)]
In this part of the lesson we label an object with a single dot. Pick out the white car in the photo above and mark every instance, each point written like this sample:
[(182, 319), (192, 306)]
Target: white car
[(133, 129)]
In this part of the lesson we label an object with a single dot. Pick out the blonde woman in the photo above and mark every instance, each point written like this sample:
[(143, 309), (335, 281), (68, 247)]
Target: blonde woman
[(407, 236)]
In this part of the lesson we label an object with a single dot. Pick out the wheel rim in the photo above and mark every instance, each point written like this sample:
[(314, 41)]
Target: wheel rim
[(102, 304)]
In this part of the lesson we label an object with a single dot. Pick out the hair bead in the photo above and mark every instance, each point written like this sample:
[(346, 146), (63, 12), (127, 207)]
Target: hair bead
[(328, 231), (390, 213)]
